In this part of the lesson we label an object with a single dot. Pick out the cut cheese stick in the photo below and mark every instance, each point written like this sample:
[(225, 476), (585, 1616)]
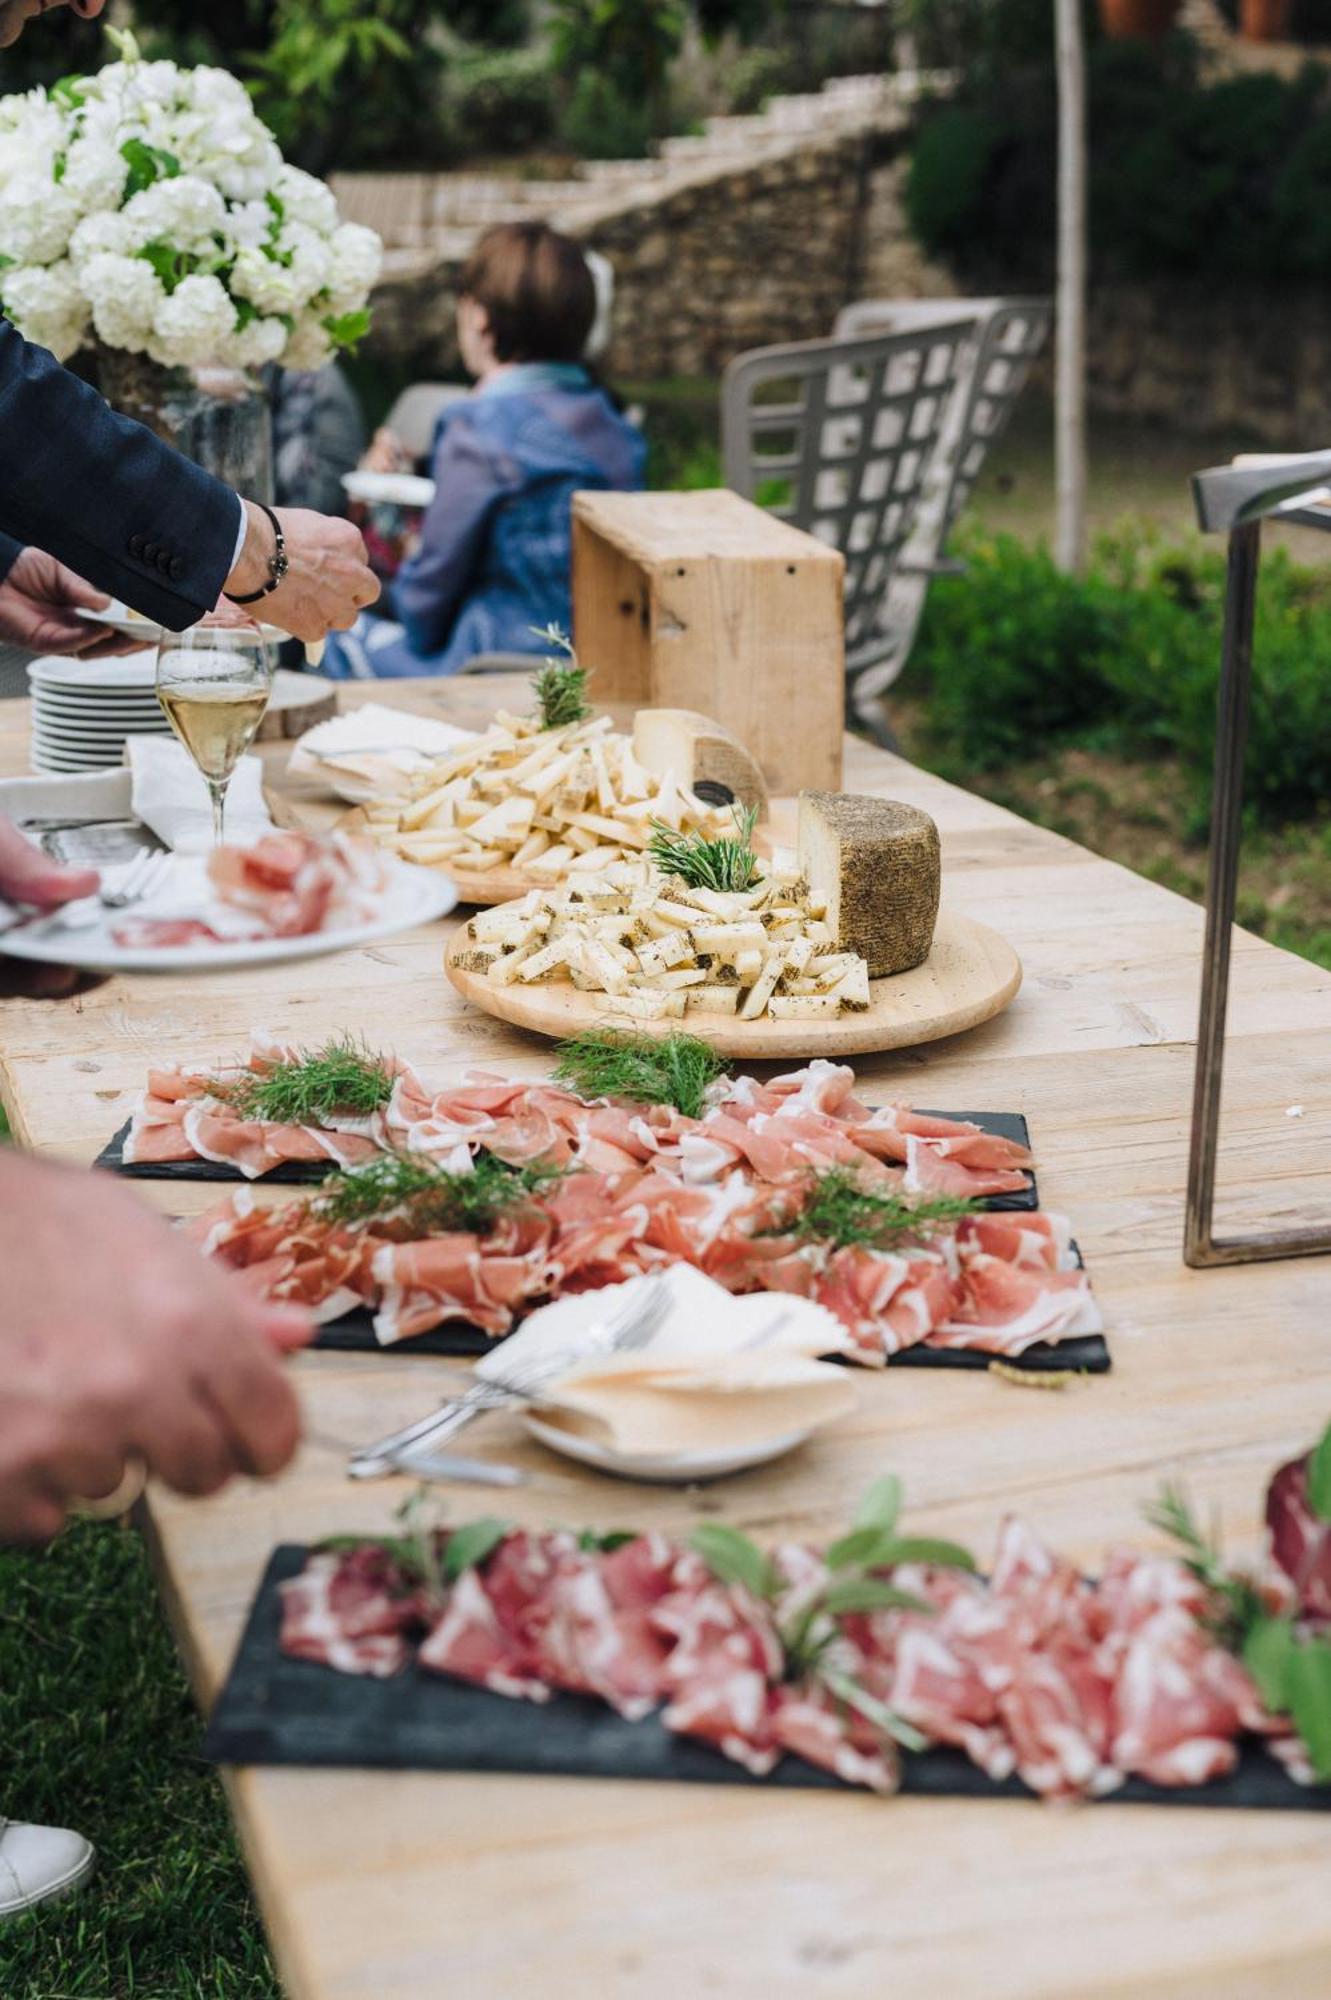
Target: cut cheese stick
[(712, 1000)]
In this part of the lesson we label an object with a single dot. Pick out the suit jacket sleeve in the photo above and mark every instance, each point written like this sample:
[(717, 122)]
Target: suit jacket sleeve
[(105, 496)]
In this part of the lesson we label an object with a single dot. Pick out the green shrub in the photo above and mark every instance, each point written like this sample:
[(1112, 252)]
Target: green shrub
[(754, 76), (1014, 657), (500, 102), (600, 123)]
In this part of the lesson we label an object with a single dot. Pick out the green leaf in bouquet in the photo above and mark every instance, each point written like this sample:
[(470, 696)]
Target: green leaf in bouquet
[(348, 329), (733, 1558), (147, 164), (1308, 1675), (70, 93)]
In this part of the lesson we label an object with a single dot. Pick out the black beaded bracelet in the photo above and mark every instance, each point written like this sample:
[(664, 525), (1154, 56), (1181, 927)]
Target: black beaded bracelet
[(278, 563)]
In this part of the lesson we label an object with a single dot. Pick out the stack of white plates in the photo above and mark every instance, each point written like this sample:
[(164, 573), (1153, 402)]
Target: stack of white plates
[(82, 710)]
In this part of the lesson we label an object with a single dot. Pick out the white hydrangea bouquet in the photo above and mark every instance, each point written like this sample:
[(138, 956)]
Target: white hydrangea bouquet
[(149, 206)]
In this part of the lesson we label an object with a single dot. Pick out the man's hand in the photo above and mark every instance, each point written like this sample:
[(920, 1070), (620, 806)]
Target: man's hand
[(329, 579), (119, 1340), (39, 605), (29, 876)]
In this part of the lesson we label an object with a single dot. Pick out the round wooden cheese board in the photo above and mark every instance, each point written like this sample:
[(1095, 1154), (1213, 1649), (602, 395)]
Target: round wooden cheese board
[(970, 975)]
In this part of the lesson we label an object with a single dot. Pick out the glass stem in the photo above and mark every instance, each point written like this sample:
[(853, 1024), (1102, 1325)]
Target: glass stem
[(217, 793)]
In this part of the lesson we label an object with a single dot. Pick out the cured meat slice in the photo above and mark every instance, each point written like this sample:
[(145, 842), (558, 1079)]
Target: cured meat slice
[(350, 1611)]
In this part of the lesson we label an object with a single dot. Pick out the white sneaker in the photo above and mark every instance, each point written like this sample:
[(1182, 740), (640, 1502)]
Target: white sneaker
[(38, 1864)]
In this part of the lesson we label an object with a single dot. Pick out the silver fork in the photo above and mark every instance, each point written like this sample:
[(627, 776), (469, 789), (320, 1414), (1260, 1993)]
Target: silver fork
[(632, 1327), (143, 875)]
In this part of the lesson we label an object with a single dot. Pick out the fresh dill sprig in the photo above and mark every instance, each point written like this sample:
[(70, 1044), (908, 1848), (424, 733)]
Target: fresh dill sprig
[(842, 1209), (608, 1063), (343, 1078), (561, 684), (724, 863), (427, 1198)]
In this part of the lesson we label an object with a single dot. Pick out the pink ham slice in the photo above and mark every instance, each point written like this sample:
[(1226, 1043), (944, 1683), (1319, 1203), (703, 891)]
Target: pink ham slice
[(350, 1611)]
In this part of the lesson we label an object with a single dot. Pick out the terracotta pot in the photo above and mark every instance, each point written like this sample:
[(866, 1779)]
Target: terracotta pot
[(1141, 20), (1265, 20)]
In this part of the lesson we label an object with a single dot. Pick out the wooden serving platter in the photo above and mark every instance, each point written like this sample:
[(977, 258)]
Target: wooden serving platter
[(970, 975)]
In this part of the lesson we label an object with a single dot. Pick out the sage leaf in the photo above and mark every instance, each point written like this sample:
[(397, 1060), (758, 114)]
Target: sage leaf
[(881, 1504), (922, 1549), (1309, 1680), (1266, 1655), (1319, 1476), (866, 1593), (733, 1557), (471, 1544)]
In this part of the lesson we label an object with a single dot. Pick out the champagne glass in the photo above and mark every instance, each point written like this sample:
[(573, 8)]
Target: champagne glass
[(214, 682)]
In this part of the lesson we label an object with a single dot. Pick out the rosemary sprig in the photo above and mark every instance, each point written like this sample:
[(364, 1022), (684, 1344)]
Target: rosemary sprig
[(561, 684), (725, 863), (607, 1063), (426, 1197), (1238, 1604), (342, 1078), (842, 1209)]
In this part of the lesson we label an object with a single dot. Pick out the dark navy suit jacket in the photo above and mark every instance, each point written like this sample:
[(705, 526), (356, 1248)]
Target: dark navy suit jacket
[(105, 496)]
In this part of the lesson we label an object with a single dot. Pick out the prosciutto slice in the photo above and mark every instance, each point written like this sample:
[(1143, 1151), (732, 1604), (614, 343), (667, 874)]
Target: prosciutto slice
[(1073, 1685)]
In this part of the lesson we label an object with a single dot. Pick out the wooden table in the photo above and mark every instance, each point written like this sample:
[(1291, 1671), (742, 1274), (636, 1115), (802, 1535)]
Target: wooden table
[(408, 1887)]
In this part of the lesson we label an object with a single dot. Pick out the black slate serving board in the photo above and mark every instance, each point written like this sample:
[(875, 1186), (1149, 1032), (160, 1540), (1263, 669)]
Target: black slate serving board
[(273, 1710), (1007, 1124)]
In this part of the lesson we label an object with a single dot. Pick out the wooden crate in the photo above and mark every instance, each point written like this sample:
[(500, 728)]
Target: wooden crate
[(703, 601)]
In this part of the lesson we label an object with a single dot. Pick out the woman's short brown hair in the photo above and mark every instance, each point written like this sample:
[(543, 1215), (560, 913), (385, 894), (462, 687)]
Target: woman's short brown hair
[(537, 291)]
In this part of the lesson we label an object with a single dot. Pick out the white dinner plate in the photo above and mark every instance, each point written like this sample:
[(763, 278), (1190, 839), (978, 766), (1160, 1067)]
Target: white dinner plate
[(389, 489), (135, 670), (135, 626), (99, 711), (102, 732), (413, 896), (677, 1468)]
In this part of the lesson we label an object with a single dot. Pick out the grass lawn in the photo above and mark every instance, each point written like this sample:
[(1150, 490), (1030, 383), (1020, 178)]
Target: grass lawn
[(100, 1733)]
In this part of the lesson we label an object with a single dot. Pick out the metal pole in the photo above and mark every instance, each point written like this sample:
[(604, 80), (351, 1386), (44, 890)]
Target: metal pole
[(1070, 350)]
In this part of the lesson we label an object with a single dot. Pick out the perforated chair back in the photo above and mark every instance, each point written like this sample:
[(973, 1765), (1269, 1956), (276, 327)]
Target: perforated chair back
[(839, 438)]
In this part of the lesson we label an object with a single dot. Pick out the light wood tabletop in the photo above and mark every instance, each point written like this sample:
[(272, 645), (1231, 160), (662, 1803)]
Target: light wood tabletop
[(407, 1887)]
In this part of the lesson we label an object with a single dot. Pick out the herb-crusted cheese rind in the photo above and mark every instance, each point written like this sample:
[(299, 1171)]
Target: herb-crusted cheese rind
[(877, 863)]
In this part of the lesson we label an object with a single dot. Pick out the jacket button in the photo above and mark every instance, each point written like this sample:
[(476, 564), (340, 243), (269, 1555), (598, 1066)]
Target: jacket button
[(177, 569), (136, 545), (149, 552), (164, 561)]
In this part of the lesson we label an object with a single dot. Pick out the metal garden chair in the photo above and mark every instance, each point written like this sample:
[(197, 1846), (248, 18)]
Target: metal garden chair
[(872, 441)]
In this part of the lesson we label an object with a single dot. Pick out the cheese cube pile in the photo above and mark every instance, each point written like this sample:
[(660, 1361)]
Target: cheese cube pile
[(659, 950), (548, 802)]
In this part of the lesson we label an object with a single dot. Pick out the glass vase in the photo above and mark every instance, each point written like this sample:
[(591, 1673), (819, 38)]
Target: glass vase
[(219, 417)]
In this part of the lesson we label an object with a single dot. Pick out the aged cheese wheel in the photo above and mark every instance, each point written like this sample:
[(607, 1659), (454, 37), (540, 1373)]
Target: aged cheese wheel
[(877, 863), (697, 750)]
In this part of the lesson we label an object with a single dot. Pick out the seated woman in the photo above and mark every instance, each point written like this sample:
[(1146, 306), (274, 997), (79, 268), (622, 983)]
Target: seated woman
[(495, 550)]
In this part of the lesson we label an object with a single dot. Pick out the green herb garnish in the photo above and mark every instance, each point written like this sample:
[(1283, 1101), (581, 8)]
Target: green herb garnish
[(723, 863), (1292, 1669), (561, 684), (843, 1210), (343, 1078), (609, 1063), (427, 1198)]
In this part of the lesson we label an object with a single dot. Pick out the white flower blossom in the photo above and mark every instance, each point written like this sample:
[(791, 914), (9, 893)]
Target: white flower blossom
[(99, 233), (125, 295), (37, 219), (47, 306), (307, 200), (309, 346), (193, 324), (246, 228), (266, 284), (357, 259), (186, 213), (262, 341)]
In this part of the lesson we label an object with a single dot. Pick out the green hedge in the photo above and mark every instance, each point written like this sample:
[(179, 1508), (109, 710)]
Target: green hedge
[(1185, 178), (1014, 657)]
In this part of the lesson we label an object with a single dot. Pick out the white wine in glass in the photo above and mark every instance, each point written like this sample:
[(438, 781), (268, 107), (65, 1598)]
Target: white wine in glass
[(214, 682)]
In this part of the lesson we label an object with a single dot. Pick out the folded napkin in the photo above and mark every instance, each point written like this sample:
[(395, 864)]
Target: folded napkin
[(720, 1374), (363, 751), (171, 796)]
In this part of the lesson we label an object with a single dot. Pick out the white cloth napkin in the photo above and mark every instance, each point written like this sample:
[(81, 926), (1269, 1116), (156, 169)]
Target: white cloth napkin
[(720, 1373), (171, 797), (362, 751)]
